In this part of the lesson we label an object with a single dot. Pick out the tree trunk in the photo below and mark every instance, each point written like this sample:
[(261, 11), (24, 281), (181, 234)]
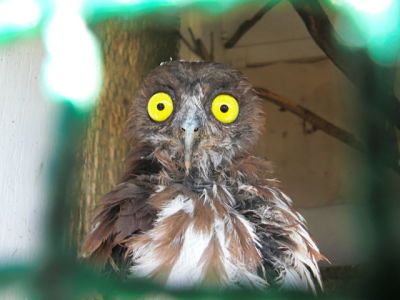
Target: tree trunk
[(131, 48)]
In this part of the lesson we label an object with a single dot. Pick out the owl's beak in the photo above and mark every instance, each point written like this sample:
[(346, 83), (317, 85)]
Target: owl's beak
[(190, 127)]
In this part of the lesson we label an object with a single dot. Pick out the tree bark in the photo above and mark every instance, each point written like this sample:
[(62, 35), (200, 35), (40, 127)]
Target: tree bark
[(131, 48)]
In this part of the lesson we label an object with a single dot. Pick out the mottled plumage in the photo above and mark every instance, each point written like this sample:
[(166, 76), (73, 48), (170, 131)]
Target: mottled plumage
[(194, 207)]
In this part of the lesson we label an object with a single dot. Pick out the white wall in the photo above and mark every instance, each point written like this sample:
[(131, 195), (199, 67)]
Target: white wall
[(26, 124)]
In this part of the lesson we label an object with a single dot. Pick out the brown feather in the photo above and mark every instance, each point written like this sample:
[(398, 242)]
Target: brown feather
[(124, 211)]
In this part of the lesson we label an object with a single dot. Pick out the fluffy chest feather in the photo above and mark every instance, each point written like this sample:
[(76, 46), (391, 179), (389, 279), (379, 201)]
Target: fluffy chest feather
[(197, 240)]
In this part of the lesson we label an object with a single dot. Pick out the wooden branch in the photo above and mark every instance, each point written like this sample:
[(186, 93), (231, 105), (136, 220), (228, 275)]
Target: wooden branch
[(317, 122), (187, 44), (198, 47), (349, 60), (248, 24), (211, 46), (308, 116)]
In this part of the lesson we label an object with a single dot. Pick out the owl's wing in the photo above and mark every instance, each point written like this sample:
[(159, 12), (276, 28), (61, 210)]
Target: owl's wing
[(123, 212), (289, 254)]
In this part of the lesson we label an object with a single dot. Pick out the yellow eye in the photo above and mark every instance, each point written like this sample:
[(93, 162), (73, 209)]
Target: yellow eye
[(160, 107), (225, 108)]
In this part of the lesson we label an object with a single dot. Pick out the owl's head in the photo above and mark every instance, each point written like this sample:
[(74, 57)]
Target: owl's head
[(196, 115)]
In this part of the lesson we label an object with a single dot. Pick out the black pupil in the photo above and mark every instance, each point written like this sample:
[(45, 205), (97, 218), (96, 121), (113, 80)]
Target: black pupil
[(160, 106), (224, 108)]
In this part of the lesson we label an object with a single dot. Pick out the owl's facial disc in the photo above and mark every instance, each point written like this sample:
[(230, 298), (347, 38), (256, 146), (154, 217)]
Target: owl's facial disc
[(195, 117), (190, 126)]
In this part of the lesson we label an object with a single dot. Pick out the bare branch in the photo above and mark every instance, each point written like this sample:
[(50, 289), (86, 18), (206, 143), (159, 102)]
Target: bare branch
[(308, 116), (198, 46), (187, 44), (316, 122), (211, 46), (248, 24), (194, 40)]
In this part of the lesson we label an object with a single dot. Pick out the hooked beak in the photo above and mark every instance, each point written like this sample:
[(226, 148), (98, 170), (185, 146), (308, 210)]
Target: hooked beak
[(190, 127)]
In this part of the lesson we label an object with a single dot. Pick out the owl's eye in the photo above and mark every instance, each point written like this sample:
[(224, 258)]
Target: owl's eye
[(160, 107), (225, 108)]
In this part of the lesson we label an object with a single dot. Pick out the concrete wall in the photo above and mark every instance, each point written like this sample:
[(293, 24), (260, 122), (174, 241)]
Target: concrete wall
[(278, 54), (26, 122)]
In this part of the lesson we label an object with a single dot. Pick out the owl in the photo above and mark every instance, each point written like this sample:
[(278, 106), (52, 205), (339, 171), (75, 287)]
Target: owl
[(194, 207)]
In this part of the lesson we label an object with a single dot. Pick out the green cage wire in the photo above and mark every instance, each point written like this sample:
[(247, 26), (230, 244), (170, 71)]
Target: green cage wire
[(60, 275)]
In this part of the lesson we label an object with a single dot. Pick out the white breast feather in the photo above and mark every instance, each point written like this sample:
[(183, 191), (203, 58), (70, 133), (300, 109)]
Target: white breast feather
[(189, 270)]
